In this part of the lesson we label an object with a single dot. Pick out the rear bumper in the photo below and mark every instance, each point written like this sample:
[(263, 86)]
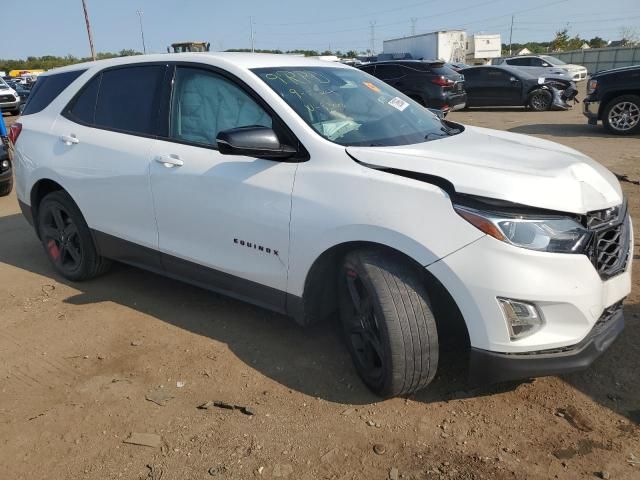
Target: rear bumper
[(590, 110), (491, 367)]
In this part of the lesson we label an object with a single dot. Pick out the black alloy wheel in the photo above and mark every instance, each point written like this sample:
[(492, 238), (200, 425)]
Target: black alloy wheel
[(60, 237), (387, 321), (540, 100), (362, 330), (66, 238)]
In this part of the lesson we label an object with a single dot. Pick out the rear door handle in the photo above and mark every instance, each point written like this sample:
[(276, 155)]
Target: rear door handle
[(170, 160), (70, 139)]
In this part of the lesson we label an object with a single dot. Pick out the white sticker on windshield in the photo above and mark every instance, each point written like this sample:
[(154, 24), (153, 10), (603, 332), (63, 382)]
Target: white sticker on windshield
[(397, 102)]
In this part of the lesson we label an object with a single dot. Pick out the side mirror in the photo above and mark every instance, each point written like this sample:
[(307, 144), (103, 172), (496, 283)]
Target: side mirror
[(438, 113), (253, 141)]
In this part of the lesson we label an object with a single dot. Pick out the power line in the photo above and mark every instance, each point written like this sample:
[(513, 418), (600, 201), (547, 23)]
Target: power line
[(343, 18)]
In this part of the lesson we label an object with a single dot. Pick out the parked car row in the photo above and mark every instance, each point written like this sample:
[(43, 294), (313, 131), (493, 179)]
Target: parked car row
[(317, 190), (434, 84)]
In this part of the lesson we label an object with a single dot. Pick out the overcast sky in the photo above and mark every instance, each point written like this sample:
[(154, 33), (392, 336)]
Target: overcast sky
[(56, 27)]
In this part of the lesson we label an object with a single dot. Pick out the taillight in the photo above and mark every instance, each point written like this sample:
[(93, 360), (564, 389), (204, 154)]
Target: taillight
[(443, 81), (14, 132)]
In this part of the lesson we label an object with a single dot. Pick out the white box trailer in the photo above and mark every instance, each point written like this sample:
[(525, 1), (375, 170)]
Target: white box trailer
[(449, 45), (482, 47)]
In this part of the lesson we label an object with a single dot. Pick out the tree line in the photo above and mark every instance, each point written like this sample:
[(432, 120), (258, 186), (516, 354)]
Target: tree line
[(47, 62)]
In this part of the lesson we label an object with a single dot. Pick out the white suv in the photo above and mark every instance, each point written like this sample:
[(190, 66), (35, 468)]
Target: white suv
[(313, 188)]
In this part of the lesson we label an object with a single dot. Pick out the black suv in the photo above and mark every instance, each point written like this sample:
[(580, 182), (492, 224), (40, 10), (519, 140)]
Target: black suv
[(430, 83), (613, 96)]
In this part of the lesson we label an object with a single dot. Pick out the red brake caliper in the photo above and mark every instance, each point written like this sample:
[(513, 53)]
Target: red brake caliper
[(54, 251)]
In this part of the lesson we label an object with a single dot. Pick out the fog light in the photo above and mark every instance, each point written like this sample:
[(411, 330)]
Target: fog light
[(5, 164), (523, 319)]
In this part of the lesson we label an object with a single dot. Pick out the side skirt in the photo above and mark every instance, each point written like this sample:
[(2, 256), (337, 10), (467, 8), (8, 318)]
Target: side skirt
[(193, 273)]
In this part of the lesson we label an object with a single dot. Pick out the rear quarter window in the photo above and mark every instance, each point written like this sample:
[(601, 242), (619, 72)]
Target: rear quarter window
[(47, 88)]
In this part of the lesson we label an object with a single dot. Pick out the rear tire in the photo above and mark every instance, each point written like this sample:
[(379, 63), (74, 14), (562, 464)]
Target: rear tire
[(621, 116), (388, 324), (67, 240), (540, 100)]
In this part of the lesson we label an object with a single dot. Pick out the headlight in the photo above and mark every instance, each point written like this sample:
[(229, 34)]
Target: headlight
[(591, 86), (4, 164), (545, 234)]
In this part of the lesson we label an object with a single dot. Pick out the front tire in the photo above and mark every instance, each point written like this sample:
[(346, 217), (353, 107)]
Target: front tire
[(387, 321), (621, 116), (67, 240), (540, 100)]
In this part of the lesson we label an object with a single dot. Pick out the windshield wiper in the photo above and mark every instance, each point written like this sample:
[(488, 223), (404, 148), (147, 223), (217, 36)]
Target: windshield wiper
[(434, 134)]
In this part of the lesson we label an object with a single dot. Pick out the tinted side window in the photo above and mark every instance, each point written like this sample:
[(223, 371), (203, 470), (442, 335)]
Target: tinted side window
[(497, 76), (388, 71), (369, 69), (47, 88), (127, 100), (537, 62), (83, 107), (520, 62), (204, 104)]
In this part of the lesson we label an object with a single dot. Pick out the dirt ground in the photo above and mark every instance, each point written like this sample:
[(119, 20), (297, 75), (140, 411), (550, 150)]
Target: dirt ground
[(78, 360)]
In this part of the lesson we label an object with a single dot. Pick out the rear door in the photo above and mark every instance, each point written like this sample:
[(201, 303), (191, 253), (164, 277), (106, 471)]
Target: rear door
[(102, 147), (223, 220)]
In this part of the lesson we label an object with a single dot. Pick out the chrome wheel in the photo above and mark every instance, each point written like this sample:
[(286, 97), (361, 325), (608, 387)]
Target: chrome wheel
[(624, 116)]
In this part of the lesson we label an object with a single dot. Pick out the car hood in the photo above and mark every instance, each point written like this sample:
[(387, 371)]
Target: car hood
[(506, 166), (572, 67)]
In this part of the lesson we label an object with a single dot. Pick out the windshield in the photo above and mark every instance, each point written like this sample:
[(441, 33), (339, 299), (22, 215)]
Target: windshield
[(350, 107), (3, 84), (553, 60)]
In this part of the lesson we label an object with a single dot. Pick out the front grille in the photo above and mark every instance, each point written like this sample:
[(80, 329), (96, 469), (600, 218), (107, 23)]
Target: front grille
[(609, 250), (7, 98)]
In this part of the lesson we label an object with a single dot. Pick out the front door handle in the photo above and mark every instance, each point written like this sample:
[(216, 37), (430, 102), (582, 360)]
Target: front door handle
[(70, 139), (170, 160)]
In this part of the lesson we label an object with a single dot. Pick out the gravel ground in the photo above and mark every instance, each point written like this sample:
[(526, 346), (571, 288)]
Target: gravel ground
[(77, 362)]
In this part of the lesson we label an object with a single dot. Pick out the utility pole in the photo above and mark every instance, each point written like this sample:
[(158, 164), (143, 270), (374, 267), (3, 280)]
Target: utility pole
[(252, 35), (413, 25), (86, 19), (144, 47), (372, 25), (511, 34)]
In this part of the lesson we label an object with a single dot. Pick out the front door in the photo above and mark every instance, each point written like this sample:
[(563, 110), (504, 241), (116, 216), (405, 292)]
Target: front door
[(223, 220), (502, 88)]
